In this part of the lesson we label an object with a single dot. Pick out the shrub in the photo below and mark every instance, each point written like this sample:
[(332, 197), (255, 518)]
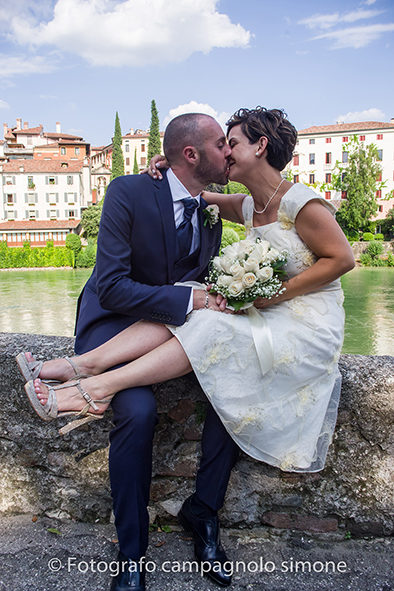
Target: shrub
[(87, 256), (367, 236), (229, 236), (239, 228), (378, 237), (366, 259), (375, 248)]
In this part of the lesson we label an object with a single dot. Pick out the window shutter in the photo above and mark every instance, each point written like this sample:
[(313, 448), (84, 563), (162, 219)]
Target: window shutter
[(56, 180), (37, 213), (26, 214), (26, 198), (65, 198), (57, 197), (75, 197), (36, 199), (15, 214), (13, 180), (48, 213), (47, 197), (57, 213), (4, 198), (5, 215), (47, 180)]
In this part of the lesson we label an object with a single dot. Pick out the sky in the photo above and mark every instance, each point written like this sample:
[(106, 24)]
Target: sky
[(80, 61)]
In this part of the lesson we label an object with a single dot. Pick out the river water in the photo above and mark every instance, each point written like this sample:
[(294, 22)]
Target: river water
[(43, 302)]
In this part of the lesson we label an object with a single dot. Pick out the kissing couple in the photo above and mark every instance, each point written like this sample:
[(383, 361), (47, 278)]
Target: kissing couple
[(270, 375)]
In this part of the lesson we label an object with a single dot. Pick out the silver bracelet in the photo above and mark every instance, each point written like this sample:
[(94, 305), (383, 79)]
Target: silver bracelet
[(206, 300)]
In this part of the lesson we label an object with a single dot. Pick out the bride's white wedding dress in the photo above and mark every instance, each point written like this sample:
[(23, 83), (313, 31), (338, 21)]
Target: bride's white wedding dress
[(270, 374)]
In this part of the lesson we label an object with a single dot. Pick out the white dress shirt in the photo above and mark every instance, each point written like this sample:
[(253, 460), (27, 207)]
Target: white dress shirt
[(179, 192)]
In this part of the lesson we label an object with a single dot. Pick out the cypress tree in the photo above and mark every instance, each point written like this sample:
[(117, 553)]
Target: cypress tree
[(154, 146), (135, 167), (117, 154)]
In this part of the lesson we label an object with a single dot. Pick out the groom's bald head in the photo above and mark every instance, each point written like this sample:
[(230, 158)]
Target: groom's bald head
[(185, 130)]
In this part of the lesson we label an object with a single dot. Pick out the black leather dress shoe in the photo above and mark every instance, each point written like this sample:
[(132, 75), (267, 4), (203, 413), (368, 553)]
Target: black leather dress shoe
[(131, 577), (207, 546)]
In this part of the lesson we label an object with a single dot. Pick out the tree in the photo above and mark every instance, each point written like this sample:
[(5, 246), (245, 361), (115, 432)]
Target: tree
[(135, 167), (91, 220), (387, 225), (234, 187), (73, 243), (154, 145), (358, 181), (117, 154)]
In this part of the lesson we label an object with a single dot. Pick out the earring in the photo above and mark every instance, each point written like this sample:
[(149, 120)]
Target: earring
[(257, 153)]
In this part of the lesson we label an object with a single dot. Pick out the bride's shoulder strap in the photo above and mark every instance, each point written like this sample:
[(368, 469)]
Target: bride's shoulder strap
[(295, 199), (247, 210)]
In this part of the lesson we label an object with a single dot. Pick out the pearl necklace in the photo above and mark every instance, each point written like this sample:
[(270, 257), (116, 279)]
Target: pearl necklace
[(270, 199)]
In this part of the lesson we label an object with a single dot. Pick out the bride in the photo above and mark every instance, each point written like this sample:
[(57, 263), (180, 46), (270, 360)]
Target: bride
[(270, 373)]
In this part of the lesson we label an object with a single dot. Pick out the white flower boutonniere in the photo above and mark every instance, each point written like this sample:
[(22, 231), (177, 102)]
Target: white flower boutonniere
[(211, 214)]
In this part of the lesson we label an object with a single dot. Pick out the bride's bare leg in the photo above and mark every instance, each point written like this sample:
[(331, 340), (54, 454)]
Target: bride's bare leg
[(165, 362), (134, 341)]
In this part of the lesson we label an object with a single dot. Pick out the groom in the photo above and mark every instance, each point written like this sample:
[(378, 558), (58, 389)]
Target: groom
[(152, 235)]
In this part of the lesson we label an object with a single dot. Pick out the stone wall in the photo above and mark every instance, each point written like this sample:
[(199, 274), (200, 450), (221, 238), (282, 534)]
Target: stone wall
[(45, 474), (360, 247)]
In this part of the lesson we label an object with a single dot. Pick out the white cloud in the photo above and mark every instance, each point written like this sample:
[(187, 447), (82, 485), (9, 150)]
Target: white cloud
[(372, 114), (356, 37), (4, 105), (19, 64), (326, 21), (133, 32), (369, 2), (194, 107)]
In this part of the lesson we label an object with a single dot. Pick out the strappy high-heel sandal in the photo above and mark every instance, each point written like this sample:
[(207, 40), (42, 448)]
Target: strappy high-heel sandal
[(50, 412), (30, 370)]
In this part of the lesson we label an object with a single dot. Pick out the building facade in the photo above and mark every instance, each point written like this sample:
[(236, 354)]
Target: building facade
[(320, 147)]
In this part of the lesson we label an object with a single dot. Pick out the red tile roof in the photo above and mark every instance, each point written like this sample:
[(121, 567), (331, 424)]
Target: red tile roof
[(42, 166), (39, 225), (348, 127), (29, 131), (66, 136)]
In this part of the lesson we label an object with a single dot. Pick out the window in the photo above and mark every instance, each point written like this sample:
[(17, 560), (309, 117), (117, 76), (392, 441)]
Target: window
[(10, 198), (328, 157), (328, 140), (311, 179), (343, 177), (380, 154), (29, 140), (9, 180), (345, 138), (296, 160), (70, 180), (296, 178), (312, 141), (127, 147), (379, 194), (71, 214), (327, 194), (77, 151), (362, 138), (32, 215), (380, 208), (311, 158), (345, 157), (127, 161), (142, 147), (344, 195), (30, 183), (328, 177), (52, 180), (143, 161), (379, 177), (379, 136), (52, 214), (63, 151)]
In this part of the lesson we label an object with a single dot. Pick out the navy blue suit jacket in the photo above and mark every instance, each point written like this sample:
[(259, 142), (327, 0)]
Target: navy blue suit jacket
[(135, 267)]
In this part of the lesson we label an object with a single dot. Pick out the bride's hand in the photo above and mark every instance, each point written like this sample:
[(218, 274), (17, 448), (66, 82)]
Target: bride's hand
[(156, 162), (261, 303)]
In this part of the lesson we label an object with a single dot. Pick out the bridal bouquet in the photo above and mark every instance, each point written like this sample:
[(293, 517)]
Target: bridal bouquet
[(246, 270)]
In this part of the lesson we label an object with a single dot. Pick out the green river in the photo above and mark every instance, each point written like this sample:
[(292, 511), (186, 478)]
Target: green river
[(43, 302)]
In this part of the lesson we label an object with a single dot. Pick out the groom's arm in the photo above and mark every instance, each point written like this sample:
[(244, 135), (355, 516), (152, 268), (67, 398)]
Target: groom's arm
[(116, 290)]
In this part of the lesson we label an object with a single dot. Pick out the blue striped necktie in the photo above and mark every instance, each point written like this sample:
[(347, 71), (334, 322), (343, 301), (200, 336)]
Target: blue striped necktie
[(184, 231)]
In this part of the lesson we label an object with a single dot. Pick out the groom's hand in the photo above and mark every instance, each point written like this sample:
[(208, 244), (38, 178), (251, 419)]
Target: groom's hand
[(203, 299)]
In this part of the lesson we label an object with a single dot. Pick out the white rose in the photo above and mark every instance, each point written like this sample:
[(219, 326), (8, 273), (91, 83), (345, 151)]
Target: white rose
[(224, 280), (226, 263), (245, 246), (261, 249), (236, 270), (235, 288), (251, 264), (272, 254), (230, 251), (249, 279), (264, 274), (216, 263)]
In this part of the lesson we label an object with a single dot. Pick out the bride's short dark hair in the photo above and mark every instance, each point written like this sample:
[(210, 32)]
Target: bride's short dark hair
[(272, 124)]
